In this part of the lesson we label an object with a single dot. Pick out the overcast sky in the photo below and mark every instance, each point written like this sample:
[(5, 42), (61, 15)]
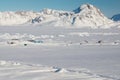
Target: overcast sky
[(108, 7)]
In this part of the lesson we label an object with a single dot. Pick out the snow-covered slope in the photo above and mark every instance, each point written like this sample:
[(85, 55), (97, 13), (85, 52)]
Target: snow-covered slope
[(86, 15), (89, 15), (116, 17), (14, 18), (17, 71)]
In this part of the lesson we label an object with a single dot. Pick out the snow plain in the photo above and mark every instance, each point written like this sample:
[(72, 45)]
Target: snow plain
[(59, 53)]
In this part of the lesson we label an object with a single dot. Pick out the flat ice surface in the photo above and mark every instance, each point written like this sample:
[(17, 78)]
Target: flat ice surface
[(60, 48)]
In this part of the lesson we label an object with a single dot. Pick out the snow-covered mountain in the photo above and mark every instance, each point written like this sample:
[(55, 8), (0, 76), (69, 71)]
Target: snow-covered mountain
[(116, 17), (85, 15), (14, 18), (89, 15)]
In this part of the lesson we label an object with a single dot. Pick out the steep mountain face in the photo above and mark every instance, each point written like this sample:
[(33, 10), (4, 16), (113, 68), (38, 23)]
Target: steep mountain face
[(116, 17), (89, 15), (84, 16)]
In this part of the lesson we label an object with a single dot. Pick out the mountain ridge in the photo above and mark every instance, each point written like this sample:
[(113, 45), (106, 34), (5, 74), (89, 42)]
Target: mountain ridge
[(86, 15)]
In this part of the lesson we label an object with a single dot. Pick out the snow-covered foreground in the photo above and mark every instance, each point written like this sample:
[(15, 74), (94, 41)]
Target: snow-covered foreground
[(18, 71), (66, 53), (68, 63)]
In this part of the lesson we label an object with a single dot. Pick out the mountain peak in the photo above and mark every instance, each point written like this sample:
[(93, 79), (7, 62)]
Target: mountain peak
[(82, 7), (87, 6), (88, 10)]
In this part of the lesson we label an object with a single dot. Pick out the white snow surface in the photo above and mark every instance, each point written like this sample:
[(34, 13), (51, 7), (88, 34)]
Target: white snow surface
[(18, 71), (65, 53)]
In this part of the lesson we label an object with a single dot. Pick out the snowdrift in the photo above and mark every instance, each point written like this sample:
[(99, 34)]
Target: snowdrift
[(19, 71)]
